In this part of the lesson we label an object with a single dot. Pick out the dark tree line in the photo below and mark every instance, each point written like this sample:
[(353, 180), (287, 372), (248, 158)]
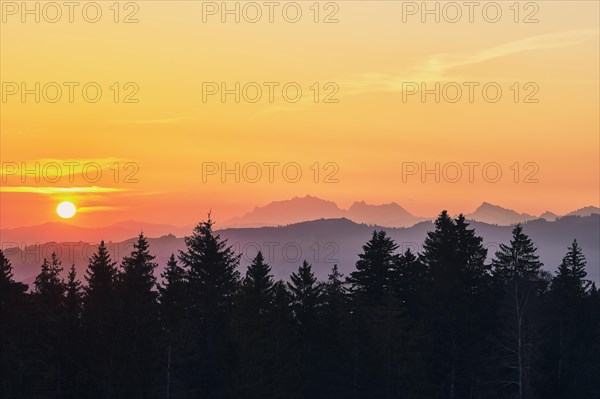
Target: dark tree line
[(440, 324)]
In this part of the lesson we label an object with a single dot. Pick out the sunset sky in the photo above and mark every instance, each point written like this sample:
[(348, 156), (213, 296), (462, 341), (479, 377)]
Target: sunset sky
[(359, 143)]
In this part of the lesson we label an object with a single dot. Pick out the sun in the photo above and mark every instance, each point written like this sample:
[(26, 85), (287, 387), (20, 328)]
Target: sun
[(66, 210)]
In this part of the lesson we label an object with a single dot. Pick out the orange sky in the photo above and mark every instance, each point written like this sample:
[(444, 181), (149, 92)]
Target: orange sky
[(359, 144)]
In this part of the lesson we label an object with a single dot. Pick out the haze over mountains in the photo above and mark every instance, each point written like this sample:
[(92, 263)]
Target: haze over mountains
[(277, 213), (300, 209), (305, 228), (325, 242)]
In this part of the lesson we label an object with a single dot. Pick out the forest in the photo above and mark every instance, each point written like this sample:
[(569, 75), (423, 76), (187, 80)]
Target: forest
[(443, 323)]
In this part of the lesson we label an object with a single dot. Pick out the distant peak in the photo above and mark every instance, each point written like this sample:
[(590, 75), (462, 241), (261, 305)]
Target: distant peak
[(489, 205)]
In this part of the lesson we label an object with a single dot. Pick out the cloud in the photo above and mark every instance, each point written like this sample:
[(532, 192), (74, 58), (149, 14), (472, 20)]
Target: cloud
[(442, 62), (437, 66), (88, 209)]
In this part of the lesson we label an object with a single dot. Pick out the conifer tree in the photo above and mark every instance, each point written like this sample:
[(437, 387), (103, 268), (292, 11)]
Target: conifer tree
[(518, 260), (13, 335), (517, 271), (213, 282), (71, 349), (570, 279), (49, 287), (138, 324), (568, 330), (212, 272), (306, 295), (410, 277), (306, 300), (254, 332), (173, 301), (73, 299), (48, 305), (99, 323), (257, 286), (372, 279), (173, 294)]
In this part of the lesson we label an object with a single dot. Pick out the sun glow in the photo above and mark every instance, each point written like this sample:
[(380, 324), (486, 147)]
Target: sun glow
[(66, 210)]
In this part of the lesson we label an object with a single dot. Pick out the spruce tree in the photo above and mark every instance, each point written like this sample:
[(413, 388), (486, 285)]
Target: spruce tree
[(454, 258), (138, 324), (569, 329), (13, 334), (517, 273), (48, 302), (73, 299), (8, 285), (213, 282), (570, 279), (254, 332), (211, 266), (173, 301), (372, 279), (73, 362), (410, 277), (173, 295), (518, 260), (257, 286), (49, 287), (334, 338), (306, 295), (99, 324)]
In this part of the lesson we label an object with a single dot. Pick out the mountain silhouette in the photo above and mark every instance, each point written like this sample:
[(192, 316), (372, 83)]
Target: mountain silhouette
[(586, 211), (325, 242)]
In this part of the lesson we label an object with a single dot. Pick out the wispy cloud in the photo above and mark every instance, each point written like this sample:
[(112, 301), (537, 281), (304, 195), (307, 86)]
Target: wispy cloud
[(443, 62), (59, 190), (88, 209), (438, 66)]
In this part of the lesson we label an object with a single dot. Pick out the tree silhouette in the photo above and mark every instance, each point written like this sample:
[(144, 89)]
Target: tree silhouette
[(99, 323), (518, 260), (443, 323), (48, 302), (138, 325), (72, 336), (373, 275), (213, 282), (173, 301), (12, 338)]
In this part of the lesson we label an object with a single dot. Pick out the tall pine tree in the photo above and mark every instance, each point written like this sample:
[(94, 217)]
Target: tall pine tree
[(13, 336), (518, 260), (213, 281), (99, 323), (138, 327)]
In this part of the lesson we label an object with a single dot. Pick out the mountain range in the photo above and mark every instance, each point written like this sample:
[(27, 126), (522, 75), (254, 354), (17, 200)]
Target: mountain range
[(325, 242), (300, 209), (277, 213)]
